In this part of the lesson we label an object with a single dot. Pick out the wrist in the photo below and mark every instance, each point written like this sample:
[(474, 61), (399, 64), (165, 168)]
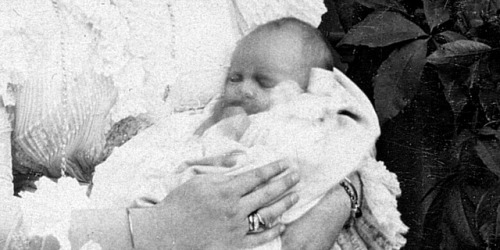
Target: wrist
[(150, 228), (352, 187), (108, 228)]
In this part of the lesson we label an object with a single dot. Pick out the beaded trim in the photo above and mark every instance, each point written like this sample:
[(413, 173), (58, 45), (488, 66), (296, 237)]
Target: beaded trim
[(353, 196)]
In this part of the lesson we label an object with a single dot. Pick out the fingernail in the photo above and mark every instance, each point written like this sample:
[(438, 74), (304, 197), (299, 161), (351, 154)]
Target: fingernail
[(236, 153), (229, 162), (282, 166)]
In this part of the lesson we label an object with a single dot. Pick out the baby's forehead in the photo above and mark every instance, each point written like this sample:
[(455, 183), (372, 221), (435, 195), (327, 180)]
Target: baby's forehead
[(269, 44), (267, 35)]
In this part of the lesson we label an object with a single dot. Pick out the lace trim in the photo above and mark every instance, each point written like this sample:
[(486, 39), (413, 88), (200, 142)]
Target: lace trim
[(255, 12), (380, 227)]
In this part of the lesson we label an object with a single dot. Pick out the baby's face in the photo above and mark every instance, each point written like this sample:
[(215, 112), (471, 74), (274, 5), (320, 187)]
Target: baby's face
[(259, 63)]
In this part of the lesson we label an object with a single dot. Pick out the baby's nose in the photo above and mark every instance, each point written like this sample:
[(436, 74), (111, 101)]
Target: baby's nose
[(247, 91)]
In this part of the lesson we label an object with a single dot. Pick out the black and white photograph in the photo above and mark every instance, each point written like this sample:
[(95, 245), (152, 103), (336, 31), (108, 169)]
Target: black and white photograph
[(250, 124)]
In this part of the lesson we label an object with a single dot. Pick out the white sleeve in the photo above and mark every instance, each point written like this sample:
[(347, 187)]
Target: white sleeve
[(6, 185)]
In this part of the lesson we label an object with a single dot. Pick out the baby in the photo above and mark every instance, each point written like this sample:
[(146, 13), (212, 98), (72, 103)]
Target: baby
[(282, 50), (273, 78), (280, 100)]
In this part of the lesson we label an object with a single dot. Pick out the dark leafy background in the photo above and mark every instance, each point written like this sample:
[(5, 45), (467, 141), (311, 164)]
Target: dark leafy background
[(432, 71)]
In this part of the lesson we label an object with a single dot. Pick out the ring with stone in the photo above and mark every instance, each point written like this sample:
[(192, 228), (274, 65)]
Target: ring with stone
[(255, 223)]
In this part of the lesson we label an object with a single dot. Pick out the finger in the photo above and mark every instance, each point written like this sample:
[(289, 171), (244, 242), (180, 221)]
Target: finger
[(248, 181), (271, 214), (224, 160), (271, 191), (254, 240)]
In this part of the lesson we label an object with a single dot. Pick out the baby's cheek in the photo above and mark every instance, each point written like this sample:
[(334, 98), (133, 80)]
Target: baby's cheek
[(263, 101), (229, 92)]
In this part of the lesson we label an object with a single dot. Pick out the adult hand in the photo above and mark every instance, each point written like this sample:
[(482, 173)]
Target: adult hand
[(210, 211)]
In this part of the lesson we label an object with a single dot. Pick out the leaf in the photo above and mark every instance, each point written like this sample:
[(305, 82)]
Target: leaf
[(458, 53), (398, 79), (487, 214), (346, 11), (455, 95), (471, 10), (489, 152), (382, 4), (489, 98), (489, 88), (460, 143), (331, 25), (436, 12), (455, 88), (493, 7), (475, 74), (435, 213), (380, 29), (449, 36), (459, 221), (458, 84), (470, 197)]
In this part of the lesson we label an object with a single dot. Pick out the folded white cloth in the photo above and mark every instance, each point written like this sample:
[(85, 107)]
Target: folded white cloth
[(326, 133)]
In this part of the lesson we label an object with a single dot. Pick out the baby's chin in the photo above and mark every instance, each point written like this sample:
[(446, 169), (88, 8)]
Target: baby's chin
[(239, 107)]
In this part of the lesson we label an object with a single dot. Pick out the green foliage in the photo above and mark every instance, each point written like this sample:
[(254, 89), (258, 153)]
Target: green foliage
[(436, 12), (380, 29), (408, 45), (399, 78)]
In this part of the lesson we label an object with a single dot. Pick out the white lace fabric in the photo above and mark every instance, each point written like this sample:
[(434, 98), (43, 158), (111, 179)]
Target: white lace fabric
[(143, 45), (61, 101), (170, 41), (256, 12)]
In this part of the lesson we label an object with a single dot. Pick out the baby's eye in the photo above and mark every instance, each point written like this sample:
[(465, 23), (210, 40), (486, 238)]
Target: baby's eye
[(266, 82), (235, 78)]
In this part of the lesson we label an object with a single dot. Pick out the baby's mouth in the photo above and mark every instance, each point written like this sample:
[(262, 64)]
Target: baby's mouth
[(233, 103)]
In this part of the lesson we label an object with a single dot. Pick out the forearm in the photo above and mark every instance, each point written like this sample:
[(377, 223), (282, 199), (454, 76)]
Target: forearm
[(320, 227), (152, 229), (199, 214), (140, 228), (108, 228)]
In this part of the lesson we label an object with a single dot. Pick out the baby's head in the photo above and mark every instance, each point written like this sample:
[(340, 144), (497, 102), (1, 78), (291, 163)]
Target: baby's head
[(281, 50)]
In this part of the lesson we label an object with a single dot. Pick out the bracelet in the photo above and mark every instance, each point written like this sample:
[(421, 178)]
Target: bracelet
[(353, 195), (131, 228)]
